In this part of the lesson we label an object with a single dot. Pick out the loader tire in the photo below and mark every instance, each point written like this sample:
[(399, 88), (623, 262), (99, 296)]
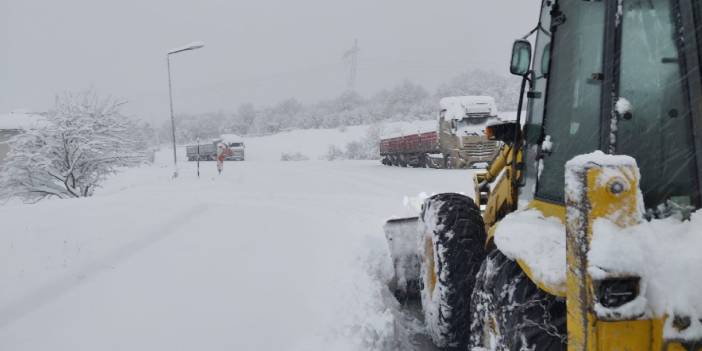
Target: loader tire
[(509, 312), (453, 250)]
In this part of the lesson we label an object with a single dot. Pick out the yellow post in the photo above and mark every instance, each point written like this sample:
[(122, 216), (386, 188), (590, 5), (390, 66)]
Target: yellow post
[(599, 186)]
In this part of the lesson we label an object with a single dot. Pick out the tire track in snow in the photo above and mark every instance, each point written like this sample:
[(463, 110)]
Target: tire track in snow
[(54, 290)]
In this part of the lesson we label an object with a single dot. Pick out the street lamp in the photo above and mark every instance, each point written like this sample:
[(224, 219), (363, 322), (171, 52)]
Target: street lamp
[(191, 46)]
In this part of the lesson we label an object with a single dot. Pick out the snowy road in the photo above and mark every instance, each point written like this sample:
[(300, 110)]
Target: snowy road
[(268, 256)]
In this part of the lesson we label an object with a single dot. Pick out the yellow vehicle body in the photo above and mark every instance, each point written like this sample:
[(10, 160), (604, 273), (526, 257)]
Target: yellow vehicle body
[(622, 77), (597, 200)]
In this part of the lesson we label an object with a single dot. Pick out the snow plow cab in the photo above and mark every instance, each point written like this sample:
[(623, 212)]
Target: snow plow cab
[(584, 233)]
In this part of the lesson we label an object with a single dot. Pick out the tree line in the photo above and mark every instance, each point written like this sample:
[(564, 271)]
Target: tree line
[(403, 102)]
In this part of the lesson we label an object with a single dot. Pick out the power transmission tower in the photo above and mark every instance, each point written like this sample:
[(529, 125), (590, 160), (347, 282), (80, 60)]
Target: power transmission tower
[(352, 56)]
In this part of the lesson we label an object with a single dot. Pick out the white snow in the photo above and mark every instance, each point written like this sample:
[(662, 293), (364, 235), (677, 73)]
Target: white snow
[(20, 120), (622, 106), (665, 254), (547, 144), (543, 251), (458, 106), (269, 256), (314, 143), (600, 158), (231, 138), (397, 129)]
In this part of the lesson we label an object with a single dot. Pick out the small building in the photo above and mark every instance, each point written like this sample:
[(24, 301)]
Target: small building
[(14, 123)]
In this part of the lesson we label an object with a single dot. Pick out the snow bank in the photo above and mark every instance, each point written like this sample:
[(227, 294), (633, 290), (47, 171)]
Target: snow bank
[(312, 143), (538, 241), (268, 256)]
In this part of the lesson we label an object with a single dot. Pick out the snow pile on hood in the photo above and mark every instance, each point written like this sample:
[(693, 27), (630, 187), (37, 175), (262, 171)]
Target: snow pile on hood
[(666, 255), (539, 242)]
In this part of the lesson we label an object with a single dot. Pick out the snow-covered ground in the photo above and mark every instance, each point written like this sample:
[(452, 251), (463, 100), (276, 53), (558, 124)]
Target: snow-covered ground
[(269, 256), (314, 143)]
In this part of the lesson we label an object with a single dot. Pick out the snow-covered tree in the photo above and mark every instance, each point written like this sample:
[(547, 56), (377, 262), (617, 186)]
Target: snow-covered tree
[(366, 148), (242, 121), (406, 101), (85, 139)]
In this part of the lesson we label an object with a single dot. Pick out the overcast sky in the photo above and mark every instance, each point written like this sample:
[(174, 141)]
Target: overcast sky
[(259, 51)]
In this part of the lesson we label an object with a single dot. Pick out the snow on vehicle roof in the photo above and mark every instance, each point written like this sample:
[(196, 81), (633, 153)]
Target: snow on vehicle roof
[(457, 106), (399, 129), (467, 100), (20, 119), (231, 138)]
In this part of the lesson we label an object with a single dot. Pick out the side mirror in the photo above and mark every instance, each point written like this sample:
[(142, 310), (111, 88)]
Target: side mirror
[(521, 57), (503, 132)]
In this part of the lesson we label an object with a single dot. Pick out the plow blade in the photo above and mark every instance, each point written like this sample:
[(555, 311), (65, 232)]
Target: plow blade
[(403, 239)]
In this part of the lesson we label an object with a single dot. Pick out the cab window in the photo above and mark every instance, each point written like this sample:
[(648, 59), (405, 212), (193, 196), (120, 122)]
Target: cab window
[(572, 115)]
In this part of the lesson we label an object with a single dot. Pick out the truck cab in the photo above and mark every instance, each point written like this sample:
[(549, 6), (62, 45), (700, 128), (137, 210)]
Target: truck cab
[(236, 144), (462, 122)]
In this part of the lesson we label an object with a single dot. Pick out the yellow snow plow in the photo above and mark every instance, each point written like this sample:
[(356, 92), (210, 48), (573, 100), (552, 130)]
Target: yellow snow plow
[(583, 233)]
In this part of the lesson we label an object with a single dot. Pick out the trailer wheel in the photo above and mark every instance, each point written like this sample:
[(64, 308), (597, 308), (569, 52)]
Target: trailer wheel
[(509, 312), (403, 161), (423, 161), (453, 249)]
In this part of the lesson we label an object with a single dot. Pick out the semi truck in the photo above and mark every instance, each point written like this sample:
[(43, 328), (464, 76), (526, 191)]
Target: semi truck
[(208, 151), (457, 142)]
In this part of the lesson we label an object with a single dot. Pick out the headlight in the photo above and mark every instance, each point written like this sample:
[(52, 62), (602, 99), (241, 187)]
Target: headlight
[(616, 292)]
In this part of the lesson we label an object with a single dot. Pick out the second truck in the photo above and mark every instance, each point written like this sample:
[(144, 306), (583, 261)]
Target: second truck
[(208, 151)]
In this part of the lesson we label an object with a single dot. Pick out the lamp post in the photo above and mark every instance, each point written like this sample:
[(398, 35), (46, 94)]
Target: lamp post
[(191, 46)]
